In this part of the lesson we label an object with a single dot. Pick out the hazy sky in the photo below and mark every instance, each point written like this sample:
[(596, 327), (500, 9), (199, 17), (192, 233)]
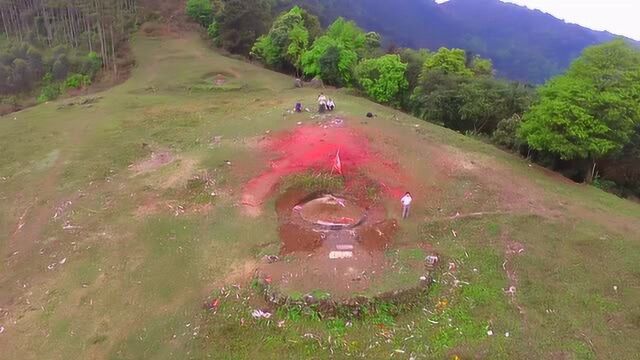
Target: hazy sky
[(620, 17)]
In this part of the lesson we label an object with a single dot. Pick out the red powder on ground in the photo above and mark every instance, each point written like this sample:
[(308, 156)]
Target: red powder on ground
[(315, 148)]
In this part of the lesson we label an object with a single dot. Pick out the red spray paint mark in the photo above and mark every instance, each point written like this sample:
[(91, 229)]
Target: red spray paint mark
[(315, 148)]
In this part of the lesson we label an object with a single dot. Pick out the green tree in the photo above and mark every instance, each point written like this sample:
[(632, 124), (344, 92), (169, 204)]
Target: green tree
[(288, 39), (241, 22), (448, 61), (591, 111), (336, 64), (200, 11), (482, 67), (383, 79), (346, 43)]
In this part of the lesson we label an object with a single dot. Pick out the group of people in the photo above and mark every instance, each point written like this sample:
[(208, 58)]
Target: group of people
[(324, 104)]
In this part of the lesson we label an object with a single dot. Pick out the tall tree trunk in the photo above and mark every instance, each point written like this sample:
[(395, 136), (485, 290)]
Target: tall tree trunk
[(591, 172)]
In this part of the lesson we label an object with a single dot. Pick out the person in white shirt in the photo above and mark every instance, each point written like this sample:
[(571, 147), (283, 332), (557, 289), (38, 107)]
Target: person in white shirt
[(322, 103), (331, 105), (406, 205)]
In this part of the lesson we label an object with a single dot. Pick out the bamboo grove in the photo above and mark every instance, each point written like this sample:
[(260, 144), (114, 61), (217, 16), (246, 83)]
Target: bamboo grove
[(95, 25)]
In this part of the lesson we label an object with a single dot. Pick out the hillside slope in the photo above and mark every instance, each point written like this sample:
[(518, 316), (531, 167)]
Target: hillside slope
[(122, 214), (526, 45)]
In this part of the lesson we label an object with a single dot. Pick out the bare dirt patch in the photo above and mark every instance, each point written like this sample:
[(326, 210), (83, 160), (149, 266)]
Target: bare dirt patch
[(315, 148), (156, 160)]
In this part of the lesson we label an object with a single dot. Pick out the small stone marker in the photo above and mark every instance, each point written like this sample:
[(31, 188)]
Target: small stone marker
[(340, 255)]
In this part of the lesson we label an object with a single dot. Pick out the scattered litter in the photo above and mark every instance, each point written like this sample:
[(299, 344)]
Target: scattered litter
[(431, 260), (61, 262), (270, 259), (281, 323), (455, 234), (213, 305), (68, 226), (259, 314), (433, 322), (399, 351), (452, 266), (227, 162), (615, 288), (51, 266), (423, 278), (1, 329), (490, 333), (506, 334), (511, 291), (299, 123)]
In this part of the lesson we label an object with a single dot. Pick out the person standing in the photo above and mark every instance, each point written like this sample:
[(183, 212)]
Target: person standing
[(322, 103), (406, 205)]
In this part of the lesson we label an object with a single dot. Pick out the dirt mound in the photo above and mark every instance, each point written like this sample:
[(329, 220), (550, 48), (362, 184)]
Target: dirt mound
[(315, 148)]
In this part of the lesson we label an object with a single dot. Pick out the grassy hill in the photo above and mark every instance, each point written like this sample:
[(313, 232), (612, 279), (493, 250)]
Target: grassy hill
[(122, 214)]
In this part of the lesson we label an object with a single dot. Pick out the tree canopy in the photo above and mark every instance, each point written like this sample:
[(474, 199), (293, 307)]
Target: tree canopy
[(591, 111), (288, 39), (334, 56), (383, 79), (241, 22), (448, 62)]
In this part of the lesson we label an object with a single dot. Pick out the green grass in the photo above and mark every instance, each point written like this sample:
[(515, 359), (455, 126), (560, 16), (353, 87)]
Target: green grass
[(314, 181), (131, 284)]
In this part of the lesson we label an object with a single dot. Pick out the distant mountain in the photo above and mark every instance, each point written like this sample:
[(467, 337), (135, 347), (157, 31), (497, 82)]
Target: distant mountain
[(524, 44)]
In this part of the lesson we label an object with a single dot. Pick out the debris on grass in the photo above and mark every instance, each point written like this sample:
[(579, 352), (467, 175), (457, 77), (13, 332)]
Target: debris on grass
[(270, 259), (212, 305), (510, 291), (260, 314), (61, 262), (431, 260), (490, 333)]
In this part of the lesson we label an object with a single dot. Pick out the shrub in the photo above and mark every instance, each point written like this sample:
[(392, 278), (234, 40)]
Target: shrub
[(76, 81), (91, 64), (50, 89), (506, 133), (200, 11)]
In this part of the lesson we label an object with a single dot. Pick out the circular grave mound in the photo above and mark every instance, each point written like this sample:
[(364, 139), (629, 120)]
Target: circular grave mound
[(329, 210)]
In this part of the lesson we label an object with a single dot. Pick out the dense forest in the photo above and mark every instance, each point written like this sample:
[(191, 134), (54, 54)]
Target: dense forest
[(525, 45), (50, 46), (584, 123)]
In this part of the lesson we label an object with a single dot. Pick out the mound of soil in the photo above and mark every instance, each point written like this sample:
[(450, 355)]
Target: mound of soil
[(315, 148)]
